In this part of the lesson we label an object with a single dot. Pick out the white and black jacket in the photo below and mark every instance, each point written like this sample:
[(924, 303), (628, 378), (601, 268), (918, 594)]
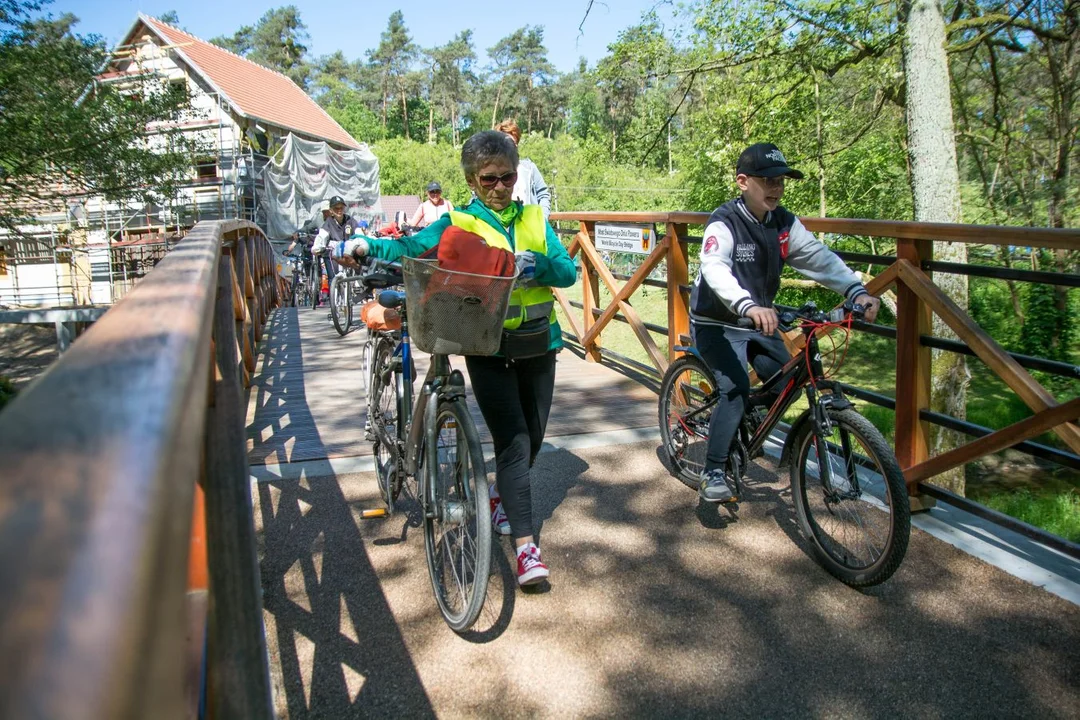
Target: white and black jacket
[(741, 260)]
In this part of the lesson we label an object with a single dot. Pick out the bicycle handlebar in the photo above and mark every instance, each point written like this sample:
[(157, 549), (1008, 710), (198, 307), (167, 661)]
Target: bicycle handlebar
[(810, 313)]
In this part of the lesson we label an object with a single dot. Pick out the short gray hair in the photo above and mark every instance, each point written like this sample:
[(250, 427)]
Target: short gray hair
[(483, 147)]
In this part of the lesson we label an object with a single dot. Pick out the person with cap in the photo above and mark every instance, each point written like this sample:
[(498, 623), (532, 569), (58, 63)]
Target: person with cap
[(337, 228), (432, 209), (746, 244)]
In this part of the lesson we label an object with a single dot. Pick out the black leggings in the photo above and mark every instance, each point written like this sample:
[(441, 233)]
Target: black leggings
[(726, 350), (515, 400)]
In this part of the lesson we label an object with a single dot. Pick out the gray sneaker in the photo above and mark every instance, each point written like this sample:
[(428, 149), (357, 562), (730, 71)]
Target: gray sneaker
[(715, 487)]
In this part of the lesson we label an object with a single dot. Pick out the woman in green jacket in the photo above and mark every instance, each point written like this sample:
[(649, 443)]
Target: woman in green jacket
[(513, 395)]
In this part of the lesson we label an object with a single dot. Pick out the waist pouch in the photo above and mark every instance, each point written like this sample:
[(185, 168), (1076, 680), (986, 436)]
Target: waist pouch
[(530, 339)]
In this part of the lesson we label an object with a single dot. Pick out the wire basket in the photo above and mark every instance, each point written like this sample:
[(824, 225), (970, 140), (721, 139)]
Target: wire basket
[(454, 313)]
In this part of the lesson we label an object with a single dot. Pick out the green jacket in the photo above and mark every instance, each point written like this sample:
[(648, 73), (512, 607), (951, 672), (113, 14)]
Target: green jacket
[(553, 269)]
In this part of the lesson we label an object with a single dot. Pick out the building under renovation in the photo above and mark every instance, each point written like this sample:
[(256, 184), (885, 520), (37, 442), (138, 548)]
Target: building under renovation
[(257, 128)]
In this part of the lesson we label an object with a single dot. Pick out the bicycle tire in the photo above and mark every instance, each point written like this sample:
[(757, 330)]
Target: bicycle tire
[(839, 507), (383, 416), (340, 304), (684, 430), (457, 524)]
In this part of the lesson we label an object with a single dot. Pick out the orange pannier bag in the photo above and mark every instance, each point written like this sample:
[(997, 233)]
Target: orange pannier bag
[(376, 317)]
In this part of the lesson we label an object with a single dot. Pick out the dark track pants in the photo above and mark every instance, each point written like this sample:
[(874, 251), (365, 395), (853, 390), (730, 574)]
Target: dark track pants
[(726, 350), (515, 400)]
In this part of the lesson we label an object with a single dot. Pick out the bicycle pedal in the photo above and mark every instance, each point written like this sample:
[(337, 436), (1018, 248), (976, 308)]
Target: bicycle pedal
[(374, 514)]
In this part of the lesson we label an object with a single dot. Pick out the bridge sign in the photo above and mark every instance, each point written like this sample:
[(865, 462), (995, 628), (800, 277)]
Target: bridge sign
[(625, 237)]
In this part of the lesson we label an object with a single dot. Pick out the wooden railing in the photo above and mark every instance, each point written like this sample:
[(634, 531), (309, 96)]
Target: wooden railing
[(917, 300), (125, 506)]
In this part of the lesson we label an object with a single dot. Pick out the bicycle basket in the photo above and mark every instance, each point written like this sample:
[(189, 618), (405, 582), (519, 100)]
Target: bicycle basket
[(454, 313)]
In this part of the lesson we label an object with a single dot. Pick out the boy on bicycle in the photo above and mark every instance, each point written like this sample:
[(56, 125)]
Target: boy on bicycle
[(746, 243)]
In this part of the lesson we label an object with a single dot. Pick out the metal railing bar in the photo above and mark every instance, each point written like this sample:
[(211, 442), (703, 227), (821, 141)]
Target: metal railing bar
[(1038, 534), (1000, 273)]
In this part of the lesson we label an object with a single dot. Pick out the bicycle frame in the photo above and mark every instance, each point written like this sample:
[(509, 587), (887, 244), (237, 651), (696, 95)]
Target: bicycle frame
[(803, 371)]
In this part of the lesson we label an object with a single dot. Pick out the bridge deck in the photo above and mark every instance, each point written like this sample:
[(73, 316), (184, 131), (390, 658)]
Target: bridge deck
[(306, 401), (658, 605)]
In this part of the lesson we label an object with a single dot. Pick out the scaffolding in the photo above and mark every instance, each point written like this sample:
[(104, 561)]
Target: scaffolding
[(98, 249)]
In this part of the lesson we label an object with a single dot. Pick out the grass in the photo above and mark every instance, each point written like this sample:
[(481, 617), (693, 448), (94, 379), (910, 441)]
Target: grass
[(1048, 498), (1056, 512)]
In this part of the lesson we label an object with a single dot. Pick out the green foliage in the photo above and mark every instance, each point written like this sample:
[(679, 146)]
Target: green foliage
[(1055, 511), (276, 41), (1047, 328), (406, 167), (59, 125), (7, 391)]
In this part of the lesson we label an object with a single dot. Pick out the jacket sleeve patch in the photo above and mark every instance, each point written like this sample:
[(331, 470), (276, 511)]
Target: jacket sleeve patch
[(783, 238), (711, 245)]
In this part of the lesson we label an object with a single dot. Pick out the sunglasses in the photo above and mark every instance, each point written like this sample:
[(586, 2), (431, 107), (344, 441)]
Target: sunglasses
[(490, 181), (434, 192)]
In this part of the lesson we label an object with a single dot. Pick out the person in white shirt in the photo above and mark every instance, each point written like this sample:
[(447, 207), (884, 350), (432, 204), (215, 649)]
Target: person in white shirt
[(432, 209), (530, 187)]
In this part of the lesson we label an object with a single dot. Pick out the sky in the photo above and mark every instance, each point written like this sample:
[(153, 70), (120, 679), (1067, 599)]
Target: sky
[(354, 27)]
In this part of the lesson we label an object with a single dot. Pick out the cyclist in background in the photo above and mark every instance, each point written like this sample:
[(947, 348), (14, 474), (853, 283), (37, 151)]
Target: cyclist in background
[(746, 243), (431, 209), (337, 226)]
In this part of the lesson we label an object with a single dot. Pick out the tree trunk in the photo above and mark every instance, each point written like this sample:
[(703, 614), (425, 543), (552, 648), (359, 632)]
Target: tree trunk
[(431, 124), (495, 110), (405, 113), (820, 147), (935, 186)]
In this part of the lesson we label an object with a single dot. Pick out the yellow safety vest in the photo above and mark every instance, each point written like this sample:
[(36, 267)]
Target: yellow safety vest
[(530, 233)]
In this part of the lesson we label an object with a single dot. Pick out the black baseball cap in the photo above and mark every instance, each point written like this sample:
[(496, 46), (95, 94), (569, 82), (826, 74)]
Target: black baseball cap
[(433, 186), (337, 200), (765, 160)]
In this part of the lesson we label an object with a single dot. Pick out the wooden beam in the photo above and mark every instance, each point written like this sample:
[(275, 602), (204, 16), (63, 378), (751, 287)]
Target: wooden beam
[(1034, 395), (995, 441), (678, 275), (636, 324), (568, 310), (628, 289), (913, 320), (590, 292)]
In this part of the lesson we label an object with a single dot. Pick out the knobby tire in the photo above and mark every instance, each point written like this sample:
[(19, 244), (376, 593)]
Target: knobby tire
[(684, 428), (858, 531)]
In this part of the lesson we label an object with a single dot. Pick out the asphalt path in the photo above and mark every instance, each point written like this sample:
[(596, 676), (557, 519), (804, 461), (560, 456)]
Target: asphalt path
[(658, 606)]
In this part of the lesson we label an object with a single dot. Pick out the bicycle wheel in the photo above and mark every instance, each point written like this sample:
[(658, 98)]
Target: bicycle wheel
[(340, 304), (383, 401), (686, 401), (457, 527), (853, 506)]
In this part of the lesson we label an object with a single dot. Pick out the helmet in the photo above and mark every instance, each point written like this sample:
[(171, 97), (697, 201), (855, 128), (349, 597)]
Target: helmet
[(432, 186), (337, 200), (363, 225)]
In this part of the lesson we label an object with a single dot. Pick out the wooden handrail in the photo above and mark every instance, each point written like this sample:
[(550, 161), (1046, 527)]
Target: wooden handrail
[(100, 458), (1068, 238)]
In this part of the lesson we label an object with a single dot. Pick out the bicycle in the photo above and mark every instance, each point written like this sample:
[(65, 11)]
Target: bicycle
[(853, 507), (341, 298), (432, 438)]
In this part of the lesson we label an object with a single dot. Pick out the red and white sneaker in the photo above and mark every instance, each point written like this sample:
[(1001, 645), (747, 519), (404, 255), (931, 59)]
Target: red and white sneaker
[(531, 569), (498, 518)]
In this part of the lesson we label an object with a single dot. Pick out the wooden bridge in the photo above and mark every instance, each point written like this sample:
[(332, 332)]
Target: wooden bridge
[(122, 601)]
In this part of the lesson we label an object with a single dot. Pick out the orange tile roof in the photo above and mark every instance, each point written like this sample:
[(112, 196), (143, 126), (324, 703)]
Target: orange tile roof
[(254, 91)]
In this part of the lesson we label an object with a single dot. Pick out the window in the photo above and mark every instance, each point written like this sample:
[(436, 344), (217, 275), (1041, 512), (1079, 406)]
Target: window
[(206, 169)]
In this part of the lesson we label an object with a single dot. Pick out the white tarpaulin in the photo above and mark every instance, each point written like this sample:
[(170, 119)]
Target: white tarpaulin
[(304, 174)]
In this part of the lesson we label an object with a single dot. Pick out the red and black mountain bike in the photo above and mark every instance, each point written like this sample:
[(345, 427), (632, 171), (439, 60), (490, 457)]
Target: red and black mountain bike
[(849, 492)]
